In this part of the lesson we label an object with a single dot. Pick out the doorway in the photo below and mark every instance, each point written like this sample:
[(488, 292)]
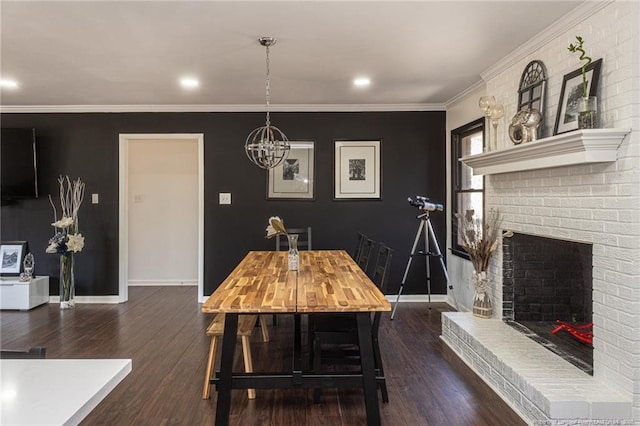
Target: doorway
[(152, 168)]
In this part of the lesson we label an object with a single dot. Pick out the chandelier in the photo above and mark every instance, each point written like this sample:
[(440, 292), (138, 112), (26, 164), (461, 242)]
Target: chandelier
[(267, 146)]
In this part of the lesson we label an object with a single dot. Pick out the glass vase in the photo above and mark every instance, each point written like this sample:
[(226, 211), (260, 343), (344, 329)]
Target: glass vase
[(67, 283), (293, 255), (481, 300), (588, 113)]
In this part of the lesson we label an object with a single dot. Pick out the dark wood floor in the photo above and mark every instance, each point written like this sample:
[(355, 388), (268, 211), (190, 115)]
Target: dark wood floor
[(162, 330)]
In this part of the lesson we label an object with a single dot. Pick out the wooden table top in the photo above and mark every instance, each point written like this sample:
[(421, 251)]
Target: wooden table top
[(328, 281)]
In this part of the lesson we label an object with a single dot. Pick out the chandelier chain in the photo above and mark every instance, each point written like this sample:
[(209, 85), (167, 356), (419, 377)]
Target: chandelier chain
[(268, 87)]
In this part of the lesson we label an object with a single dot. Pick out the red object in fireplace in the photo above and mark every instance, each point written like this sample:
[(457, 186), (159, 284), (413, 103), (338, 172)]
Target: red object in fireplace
[(581, 332)]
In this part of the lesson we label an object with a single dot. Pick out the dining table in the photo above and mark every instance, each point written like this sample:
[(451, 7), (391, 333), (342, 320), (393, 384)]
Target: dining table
[(327, 281)]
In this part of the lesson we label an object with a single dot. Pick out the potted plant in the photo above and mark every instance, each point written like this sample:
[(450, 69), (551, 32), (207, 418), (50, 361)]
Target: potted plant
[(587, 105)]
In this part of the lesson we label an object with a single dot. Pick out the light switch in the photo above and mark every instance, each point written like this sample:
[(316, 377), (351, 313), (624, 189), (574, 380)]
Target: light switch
[(95, 199), (225, 197)]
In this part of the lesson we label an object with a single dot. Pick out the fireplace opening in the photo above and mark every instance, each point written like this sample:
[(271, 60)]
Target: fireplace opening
[(546, 280)]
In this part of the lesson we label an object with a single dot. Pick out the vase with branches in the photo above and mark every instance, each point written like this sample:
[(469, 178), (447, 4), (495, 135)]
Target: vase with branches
[(480, 237), (67, 239), (587, 105)]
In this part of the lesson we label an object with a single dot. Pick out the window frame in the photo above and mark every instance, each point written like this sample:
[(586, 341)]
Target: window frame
[(457, 135)]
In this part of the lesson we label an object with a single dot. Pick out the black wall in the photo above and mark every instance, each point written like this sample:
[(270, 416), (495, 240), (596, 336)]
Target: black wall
[(86, 146)]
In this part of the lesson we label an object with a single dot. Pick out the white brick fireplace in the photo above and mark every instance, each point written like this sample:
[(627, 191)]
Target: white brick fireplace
[(595, 203)]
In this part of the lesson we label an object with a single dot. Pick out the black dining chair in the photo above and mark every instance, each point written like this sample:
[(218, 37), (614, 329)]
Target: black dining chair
[(333, 338), (304, 239), (356, 253), (36, 352), (365, 254)]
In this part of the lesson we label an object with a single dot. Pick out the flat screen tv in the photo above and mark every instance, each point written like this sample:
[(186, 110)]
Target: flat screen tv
[(19, 171)]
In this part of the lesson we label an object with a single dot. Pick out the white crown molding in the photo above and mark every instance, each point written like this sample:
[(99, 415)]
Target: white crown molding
[(571, 19), (462, 95), (7, 109)]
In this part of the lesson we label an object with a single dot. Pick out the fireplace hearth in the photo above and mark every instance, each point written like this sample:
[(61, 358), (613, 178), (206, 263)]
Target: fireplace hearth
[(545, 280)]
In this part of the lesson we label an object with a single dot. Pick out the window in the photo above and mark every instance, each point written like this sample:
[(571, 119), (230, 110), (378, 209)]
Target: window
[(468, 190)]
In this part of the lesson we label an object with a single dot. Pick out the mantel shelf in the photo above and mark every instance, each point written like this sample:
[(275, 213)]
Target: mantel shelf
[(577, 147)]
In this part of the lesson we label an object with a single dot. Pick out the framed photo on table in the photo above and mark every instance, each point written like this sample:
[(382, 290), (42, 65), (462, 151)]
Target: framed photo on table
[(294, 178), (12, 255), (357, 170), (570, 95)]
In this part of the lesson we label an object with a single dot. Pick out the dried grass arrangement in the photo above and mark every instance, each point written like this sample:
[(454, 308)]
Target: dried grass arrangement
[(480, 238)]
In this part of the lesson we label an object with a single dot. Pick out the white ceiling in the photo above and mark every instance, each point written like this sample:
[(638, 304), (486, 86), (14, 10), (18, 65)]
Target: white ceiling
[(105, 54)]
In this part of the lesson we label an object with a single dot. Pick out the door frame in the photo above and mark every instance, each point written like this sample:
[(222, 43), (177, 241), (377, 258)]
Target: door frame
[(123, 205)]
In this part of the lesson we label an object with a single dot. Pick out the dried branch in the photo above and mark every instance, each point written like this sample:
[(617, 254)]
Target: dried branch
[(480, 238)]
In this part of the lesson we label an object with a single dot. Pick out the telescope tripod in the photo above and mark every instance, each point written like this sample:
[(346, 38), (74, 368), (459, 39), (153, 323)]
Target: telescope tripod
[(425, 225)]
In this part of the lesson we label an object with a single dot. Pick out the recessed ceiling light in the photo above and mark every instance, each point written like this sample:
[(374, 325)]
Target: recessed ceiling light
[(8, 83), (189, 83), (361, 82)]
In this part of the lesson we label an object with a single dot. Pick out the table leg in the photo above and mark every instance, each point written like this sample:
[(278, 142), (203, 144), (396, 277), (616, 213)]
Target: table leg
[(226, 369), (297, 351), (368, 369)]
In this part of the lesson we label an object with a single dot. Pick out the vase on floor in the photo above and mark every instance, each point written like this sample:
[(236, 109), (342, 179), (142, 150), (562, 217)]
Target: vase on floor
[(293, 255), (67, 283), (481, 299)]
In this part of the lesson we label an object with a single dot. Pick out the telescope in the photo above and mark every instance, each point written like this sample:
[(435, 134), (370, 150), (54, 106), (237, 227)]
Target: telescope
[(423, 203)]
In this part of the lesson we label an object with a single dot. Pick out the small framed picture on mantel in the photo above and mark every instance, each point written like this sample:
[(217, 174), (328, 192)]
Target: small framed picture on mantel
[(572, 92), (357, 170)]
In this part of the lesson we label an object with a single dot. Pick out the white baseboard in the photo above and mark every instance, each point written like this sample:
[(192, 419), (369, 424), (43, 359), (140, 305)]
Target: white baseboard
[(418, 298), (89, 299), (163, 283)]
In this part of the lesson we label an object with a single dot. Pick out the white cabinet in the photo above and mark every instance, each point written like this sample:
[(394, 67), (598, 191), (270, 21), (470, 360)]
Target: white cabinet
[(24, 295)]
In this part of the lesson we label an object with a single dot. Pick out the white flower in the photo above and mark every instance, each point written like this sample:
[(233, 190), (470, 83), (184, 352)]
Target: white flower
[(53, 248), (75, 243), (271, 231), (64, 222), (276, 227)]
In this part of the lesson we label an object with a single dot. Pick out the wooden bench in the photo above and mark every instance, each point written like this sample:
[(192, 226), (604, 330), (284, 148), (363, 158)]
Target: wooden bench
[(246, 324)]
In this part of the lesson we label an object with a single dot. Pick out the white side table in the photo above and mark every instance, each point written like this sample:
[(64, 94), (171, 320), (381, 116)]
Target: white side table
[(23, 295)]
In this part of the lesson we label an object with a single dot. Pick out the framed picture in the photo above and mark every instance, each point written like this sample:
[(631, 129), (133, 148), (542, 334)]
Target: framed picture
[(571, 93), (357, 170), (294, 178), (12, 254)]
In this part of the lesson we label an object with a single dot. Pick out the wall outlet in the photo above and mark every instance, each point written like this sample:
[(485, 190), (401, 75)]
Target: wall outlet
[(225, 197), (95, 199)]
